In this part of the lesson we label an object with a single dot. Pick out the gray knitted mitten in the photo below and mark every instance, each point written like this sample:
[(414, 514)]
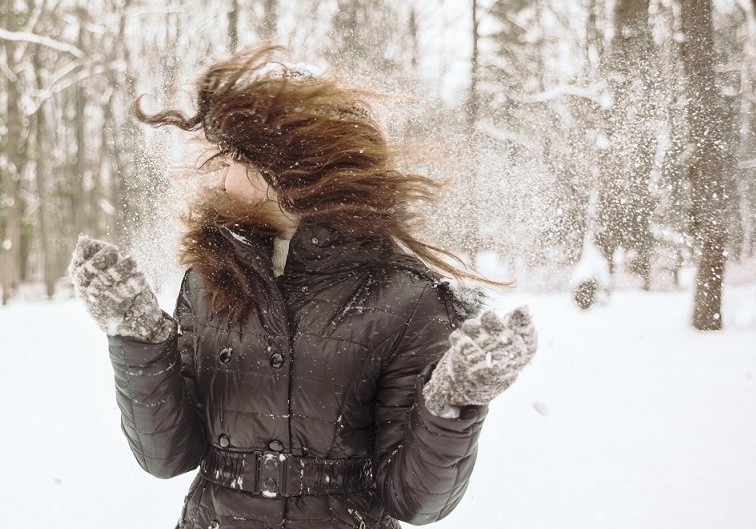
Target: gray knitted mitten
[(115, 293), (485, 357)]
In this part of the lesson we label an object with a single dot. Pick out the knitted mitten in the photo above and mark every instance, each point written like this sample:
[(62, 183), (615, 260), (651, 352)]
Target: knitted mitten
[(485, 357), (115, 293)]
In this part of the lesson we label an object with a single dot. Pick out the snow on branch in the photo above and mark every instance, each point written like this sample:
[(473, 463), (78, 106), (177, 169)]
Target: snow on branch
[(504, 135), (592, 93), (25, 36), (7, 72), (153, 10), (98, 69)]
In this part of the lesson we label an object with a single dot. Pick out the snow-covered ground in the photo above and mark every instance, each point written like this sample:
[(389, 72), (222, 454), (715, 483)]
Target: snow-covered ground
[(627, 418)]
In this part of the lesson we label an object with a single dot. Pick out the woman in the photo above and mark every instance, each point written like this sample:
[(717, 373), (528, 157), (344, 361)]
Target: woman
[(310, 369)]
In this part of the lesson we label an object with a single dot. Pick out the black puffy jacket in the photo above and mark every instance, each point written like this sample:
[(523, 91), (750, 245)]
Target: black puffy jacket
[(307, 414)]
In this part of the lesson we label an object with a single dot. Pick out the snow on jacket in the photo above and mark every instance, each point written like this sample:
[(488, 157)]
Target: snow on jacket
[(328, 373)]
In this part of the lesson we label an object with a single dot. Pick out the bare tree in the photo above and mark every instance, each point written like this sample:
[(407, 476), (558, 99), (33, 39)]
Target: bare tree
[(14, 160), (268, 27), (233, 26), (473, 98), (704, 114), (364, 37), (625, 204), (80, 201), (42, 176), (412, 25)]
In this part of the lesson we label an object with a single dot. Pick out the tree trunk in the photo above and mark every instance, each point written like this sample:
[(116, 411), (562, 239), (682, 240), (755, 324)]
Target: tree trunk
[(746, 151), (268, 28), (11, 240), (474, 243), (472, 97), (114, 136), (129, 154), (625, 202), (96, 194), (42, 174), (233, 26), (172, 56), (704, 114), (79, 191), (414, 41)]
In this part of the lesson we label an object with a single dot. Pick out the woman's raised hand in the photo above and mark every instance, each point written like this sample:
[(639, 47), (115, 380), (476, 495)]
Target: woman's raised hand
[(116, 293), (485, 357)]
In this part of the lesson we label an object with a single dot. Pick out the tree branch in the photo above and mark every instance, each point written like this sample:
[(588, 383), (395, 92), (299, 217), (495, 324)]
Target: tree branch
[(10, 74), (591, 93), (25, 36), (41, 95)]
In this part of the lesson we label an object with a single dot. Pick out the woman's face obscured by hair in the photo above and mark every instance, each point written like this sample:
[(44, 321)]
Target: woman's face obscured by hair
[(243, 183), (246, 184)]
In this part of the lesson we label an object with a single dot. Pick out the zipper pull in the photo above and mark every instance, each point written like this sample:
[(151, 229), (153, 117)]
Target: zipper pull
[(357, 516)]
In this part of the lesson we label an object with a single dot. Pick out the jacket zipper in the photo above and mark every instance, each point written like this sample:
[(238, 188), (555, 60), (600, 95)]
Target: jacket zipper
[(357, 516)]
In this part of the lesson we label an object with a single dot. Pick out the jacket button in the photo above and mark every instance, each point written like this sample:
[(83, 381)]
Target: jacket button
[(269, 484), (271, 463), (315, 240), (223, 440), (225, 355), (275, 445), (276, 360)]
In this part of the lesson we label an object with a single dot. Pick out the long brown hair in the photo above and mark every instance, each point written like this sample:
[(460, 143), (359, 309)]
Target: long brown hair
[(317, 145)]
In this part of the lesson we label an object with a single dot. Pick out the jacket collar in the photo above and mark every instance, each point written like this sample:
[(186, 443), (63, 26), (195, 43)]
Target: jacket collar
[(315, 248)]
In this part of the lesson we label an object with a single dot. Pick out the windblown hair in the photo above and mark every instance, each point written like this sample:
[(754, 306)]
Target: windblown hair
[(316, 145)]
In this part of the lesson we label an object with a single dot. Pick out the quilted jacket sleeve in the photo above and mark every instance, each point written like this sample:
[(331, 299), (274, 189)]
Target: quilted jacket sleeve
[(422, 462), (155, 385)]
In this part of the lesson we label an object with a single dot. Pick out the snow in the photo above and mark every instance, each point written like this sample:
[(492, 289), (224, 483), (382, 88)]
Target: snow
[(592, 265), (626, 418)]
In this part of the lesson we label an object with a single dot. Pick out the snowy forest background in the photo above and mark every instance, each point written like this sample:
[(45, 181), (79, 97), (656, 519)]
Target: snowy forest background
[(622, 125)]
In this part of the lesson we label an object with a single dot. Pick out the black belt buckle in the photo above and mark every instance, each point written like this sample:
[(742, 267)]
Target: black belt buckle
[(271, 473)]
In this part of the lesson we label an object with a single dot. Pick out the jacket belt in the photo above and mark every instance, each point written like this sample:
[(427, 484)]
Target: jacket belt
[(275, 474)]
